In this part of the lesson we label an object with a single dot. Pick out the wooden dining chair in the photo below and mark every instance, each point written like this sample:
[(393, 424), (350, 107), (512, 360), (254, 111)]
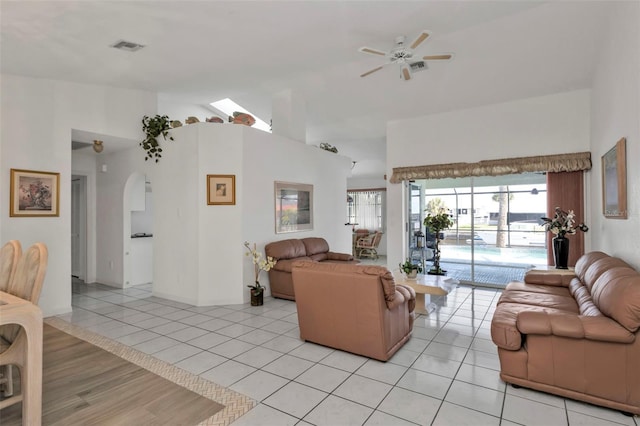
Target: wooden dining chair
[(26, 284), (9, 255)]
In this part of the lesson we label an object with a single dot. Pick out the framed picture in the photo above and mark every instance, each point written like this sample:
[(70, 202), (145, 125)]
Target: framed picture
[(34, 194), (221, 190), (294, 207), (614, 181)]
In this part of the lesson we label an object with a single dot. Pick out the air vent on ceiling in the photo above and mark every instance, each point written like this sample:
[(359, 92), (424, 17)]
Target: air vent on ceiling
[(129, 46), (418, 66)]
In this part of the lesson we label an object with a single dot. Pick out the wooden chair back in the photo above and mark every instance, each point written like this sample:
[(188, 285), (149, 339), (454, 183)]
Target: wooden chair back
[(9, 255)]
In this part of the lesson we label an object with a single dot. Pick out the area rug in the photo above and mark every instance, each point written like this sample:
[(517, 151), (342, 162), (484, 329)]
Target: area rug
[(123, 386)]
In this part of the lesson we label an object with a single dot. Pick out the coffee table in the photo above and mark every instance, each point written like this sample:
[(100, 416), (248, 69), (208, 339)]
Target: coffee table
[(424, 284)]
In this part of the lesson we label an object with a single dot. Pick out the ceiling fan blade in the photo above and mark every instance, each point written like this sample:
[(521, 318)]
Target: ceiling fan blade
[(418, 41), (406, 73), (442, 57), (371, 51), (371, 71)]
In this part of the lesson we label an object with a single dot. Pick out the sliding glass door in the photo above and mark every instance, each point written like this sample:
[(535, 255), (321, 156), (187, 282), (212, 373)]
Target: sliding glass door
[(496, 236)]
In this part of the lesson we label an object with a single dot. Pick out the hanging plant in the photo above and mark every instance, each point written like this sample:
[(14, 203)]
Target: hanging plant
[(328, 147), (153, 127)]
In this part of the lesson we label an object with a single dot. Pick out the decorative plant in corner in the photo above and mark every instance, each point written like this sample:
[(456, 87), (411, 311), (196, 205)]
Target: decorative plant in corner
[(410, 269), (259, 264), (436, 223), (153, 127)]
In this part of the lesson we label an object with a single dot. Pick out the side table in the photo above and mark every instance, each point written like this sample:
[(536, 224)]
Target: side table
[(437, 285)]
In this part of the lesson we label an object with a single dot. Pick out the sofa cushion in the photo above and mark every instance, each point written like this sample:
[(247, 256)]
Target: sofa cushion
[(587, 260), (315, 245), (547, 278), (319, 257), (598, 267), (504, 330), (582, 296), (537, 288), (285, 249), (617, 295), (285, 265), (564, 303)]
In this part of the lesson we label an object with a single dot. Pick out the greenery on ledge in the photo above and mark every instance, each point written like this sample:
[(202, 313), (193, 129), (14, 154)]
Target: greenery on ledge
[(153, 127)]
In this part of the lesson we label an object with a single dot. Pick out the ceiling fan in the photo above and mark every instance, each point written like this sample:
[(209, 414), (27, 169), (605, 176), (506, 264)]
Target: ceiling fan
[(403, 55)]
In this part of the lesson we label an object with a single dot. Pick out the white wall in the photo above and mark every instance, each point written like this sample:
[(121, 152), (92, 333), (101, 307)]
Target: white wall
[(142, 221), (35, 134), (198, 248), (543, 125), (615, 113)]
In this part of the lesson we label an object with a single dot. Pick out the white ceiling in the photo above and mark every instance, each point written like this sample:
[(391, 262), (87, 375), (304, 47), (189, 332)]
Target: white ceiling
[(202, 51)]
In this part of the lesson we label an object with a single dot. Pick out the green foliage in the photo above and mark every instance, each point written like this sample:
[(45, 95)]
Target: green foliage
[(438, 222), (256, 289), (153, 127), (407, 266), (328, 147)]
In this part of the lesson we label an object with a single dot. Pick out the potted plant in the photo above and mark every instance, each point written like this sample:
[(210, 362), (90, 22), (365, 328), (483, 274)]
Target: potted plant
[(562, 223), (410, 269), (259, 264), (153, 127), (437, 223)]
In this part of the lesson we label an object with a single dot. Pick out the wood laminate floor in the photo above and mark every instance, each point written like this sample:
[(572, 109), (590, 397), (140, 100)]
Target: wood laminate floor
[(84, 384)]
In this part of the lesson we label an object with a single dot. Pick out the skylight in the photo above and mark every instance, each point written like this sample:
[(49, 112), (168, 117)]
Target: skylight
[(229, 107)]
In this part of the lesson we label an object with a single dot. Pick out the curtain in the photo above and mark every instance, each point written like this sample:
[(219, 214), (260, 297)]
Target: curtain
[(566, 190), (367, 209), (544, 163)]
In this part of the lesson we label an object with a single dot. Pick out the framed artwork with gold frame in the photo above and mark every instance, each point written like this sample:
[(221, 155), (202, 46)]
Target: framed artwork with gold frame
[(34, 193), (221, 190), (614, 181)]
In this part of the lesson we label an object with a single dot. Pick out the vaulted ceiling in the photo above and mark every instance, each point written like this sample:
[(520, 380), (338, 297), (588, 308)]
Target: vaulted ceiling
[(202, 51)]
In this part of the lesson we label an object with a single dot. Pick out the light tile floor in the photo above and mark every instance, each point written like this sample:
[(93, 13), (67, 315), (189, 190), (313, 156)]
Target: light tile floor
[(447, 374)]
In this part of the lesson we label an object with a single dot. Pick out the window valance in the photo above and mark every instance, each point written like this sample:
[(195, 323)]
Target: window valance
[(570, 162)]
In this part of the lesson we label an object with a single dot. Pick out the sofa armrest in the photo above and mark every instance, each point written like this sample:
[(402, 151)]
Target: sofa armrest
[(548, 278), (408, 294), (339, 256), (600, 328)]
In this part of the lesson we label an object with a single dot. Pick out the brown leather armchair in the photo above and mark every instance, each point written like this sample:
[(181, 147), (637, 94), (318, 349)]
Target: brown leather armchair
[(355, 308), (574, 336)]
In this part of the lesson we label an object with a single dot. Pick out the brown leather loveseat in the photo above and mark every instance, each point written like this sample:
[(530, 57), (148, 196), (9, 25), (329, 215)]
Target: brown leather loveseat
[(286, 252), (355, 308), (574, 335)]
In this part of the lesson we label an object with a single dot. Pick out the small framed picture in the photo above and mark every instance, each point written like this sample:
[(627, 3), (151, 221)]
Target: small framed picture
[(34, 194), (221, 190)]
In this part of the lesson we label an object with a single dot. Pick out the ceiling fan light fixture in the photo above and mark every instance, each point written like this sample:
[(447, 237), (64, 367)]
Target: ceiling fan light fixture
[(98, 146), (403, 56)]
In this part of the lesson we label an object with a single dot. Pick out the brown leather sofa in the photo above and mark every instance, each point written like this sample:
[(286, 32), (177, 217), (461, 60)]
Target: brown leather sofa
[(355, 308), (286, 252), (574, 335)]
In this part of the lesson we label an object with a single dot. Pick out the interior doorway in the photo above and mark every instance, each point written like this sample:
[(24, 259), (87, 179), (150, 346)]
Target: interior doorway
[(79, 226)]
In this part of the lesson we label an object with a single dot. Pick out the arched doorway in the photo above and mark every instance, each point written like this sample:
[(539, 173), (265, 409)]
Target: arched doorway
[(137, 225)]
